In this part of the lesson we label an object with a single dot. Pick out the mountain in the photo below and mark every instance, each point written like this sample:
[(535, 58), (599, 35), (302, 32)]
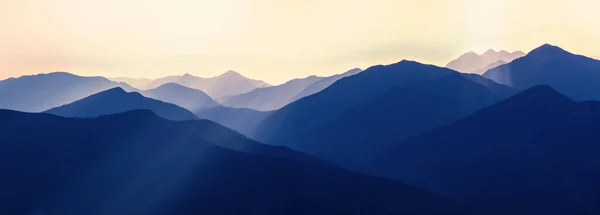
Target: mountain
[(365, 113), (185, 97), (135, 82), (35, 93), (324, 83), (242, 120), (270, 98), (573, 75), (534, 153), (227, 84), (471, 62), (116, 100), (138, 163)]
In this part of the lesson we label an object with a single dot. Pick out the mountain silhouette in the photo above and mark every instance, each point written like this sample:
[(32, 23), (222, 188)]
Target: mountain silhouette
[(471, 62), (35, 93), (573, 75), (365, 113), (226, 84), (134, 82), (534, 153), (242, 120), (185, 97), (116, 100), (138, 163), (270, 98), (324, 83)]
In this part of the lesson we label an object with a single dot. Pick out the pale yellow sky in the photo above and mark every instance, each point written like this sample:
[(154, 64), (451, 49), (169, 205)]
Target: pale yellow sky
[(276, 40)]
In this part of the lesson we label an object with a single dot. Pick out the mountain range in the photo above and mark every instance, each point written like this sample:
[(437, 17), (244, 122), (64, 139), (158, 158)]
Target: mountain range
[(139, 163), (226, 84), (471, 62), (534, 153), (364, 113), (404, 138), (270, 98), (35, 93), (574, 75), (275, 97)]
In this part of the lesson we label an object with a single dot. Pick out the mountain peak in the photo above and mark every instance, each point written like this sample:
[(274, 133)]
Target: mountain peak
[(543, 96), (115, 90), (490, 51), (547, 48), (188, 75), (231, 73)]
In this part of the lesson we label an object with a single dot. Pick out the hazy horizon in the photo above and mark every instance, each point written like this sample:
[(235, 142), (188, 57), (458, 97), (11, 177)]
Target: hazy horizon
[(276, 41)]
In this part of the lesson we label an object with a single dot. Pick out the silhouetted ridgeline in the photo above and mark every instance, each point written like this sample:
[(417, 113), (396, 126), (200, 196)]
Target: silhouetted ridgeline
[(573, 75), (138, 163), (534, 153)]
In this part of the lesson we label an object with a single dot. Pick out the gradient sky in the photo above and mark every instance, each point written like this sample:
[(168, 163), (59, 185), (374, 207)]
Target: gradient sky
[(276, 40)]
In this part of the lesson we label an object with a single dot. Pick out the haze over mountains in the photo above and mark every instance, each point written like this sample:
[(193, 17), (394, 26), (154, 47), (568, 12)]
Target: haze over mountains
[(471, 62), (138, 83), (275, 97), (138, 163), (521, 139), (227, 84), (270, 98), (35, 93), (188, 98), (574, 75)]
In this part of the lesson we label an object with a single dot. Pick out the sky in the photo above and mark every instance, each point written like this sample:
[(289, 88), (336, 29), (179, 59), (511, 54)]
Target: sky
[(276, 40)]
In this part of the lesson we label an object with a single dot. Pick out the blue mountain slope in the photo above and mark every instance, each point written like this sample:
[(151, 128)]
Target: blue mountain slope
[(534, 153)]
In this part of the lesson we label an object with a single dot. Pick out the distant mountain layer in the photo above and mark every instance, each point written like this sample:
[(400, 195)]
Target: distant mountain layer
[(227, 84), (365, 113), (573, 75), (270, 98), (135, 82), (275, 97), (185, 97), (534, 153), (473, 63), (41, 92), (116, 100), (137, 163)]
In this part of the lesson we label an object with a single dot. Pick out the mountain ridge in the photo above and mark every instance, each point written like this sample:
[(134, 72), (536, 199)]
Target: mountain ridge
[(117, 100)]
